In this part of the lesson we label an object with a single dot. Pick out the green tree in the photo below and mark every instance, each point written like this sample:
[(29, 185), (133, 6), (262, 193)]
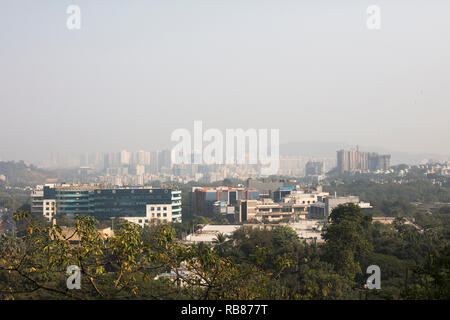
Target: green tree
[(346, 240), (432, 280)]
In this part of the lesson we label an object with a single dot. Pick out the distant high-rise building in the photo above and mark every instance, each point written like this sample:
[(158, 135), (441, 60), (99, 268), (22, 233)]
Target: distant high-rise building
[(314, 168), (154, 167), (142, 157), (140, 169), (84, 160), (112, 159), (124, 157), (355, 160), (379, 162), (84, 174), (106, 162), (95, 160), (165, 159)]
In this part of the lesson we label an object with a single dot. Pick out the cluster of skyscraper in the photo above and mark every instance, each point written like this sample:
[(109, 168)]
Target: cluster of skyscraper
[(147, 161), (357, 161)]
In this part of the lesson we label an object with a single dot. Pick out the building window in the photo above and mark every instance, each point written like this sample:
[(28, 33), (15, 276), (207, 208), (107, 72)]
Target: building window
[(165, 208), (164, 214), (159, 208), (159, 215)]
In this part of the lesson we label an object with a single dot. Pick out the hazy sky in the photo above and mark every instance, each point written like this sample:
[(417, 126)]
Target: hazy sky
[(137, 70)]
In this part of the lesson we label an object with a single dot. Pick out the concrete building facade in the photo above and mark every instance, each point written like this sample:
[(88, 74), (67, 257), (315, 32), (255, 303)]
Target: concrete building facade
[(106, 203), (355, 160)]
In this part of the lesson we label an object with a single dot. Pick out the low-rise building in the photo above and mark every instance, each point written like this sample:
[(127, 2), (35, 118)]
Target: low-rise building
[(210, 232), (207, 198), (70, 234), (155, 212), (290, 203), (325, 204), (131, 203), (307, 230), (37, 197)]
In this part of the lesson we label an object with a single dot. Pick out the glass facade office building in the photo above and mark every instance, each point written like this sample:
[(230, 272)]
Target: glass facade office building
[(103, 203)]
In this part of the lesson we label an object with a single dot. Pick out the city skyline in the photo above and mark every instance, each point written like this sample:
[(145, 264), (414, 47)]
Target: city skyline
[(310, 150), (226, 153), (128, 78)]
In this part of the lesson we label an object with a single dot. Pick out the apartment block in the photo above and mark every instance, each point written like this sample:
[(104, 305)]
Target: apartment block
[(355, 160)]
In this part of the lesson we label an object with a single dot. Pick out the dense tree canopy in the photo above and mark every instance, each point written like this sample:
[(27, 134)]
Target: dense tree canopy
[(269, 262)]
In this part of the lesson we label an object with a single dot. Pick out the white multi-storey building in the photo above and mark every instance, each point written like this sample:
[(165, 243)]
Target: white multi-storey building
[(49, 208), (155, 212)]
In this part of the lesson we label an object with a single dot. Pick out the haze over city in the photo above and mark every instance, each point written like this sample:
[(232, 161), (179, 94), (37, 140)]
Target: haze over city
[(224, 158), (136, 71)]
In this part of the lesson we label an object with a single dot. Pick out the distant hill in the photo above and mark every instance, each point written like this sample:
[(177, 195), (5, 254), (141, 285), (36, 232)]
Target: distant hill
[(19, 173)]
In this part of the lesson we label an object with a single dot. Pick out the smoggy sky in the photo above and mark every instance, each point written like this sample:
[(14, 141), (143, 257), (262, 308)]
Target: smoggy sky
[(137, 70)]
